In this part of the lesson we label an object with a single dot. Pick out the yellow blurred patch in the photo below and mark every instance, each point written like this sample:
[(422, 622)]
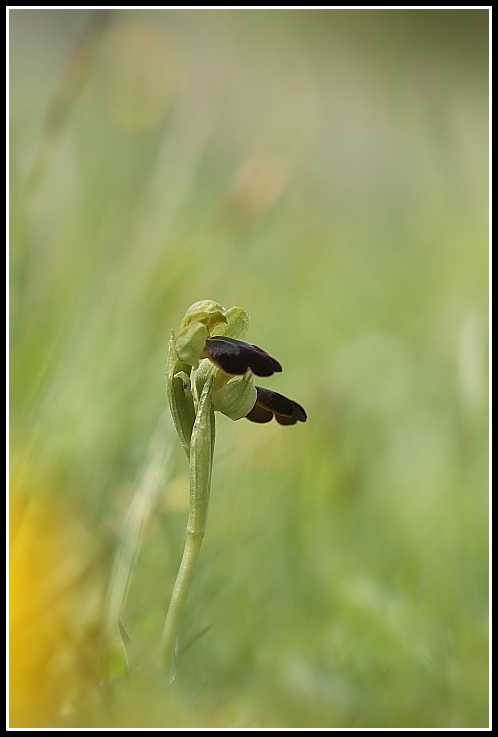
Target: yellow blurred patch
[(55, 611)]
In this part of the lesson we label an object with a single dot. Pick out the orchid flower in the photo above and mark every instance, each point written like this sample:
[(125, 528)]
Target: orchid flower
[(210, 368)]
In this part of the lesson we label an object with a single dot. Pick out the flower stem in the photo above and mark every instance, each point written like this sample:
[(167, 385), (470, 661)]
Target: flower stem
[(201, 459), (181, 588)]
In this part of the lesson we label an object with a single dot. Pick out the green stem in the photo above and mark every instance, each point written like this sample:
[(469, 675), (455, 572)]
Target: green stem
[(178, 597), (201, 458)]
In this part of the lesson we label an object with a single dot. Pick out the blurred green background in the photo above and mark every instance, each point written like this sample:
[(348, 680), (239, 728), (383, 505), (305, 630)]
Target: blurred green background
[(327, 171)]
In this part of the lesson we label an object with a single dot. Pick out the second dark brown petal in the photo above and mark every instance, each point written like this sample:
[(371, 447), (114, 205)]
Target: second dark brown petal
[(275, 402), (260, 414)]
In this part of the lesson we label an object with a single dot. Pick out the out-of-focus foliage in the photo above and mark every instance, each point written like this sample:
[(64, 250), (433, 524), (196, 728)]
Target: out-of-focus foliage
[(326, 171)]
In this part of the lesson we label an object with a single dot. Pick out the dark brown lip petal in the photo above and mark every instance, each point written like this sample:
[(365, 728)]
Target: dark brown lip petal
[(259, 414), (269, 403), (299, 415), (235, 357), (285, 420), (299, 412), (275, 402)]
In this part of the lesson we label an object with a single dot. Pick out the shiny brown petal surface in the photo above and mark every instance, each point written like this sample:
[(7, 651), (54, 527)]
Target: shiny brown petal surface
[(235, 357), (270, 403)]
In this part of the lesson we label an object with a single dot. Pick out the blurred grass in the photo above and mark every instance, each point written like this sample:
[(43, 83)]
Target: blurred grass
[(327, 172)]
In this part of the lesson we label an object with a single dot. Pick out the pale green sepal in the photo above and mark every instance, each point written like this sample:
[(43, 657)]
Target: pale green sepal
[(190, 343), (237, 398), (236, 326), (179, 395)]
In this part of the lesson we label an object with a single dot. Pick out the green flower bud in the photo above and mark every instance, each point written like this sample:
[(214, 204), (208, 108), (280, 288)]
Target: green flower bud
[(232, 396), (203, 319), (207, 312), (200, 319)]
